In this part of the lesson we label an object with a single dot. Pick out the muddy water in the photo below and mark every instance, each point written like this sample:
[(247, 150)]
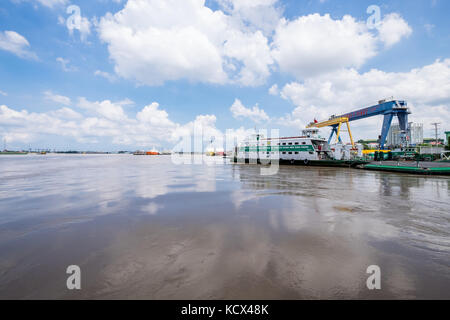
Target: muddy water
[(142, 227)]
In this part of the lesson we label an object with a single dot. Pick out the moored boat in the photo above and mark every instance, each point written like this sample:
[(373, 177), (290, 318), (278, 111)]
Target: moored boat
[(152, 152), (308, 149)]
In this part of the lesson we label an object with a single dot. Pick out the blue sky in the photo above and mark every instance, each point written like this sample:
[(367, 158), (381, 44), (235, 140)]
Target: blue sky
[(87, 89)]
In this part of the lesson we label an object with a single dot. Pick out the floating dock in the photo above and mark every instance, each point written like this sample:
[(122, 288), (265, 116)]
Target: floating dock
[(421, 168)]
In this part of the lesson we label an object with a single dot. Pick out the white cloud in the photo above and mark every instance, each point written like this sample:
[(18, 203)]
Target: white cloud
[(256, 114), (155, 41), (162, 40), (65, 65), (203, 124), (426, 89), (52, 3), (13, 42), (103, 121), (315, 44), (273, 90), (252, 50), (84, 28), (3, 93), (57, 98), (24, 126), (105, 109), (76, 21), (66, 114), (392, 29), (106, 75), (262, 15), (312, 45)]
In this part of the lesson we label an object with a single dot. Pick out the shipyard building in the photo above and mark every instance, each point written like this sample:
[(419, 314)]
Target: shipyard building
[(414, 135)]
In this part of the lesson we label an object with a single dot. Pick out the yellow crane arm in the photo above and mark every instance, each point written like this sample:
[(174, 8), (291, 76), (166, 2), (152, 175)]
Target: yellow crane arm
[(332, 122), (327, 123)]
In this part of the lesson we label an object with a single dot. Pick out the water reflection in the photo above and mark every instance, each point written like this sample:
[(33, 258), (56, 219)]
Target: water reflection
[(141, 227)]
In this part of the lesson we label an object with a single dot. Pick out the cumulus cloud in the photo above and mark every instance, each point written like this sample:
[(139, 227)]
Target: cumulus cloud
[(108, 76), (315, 44), (23, 126), (243, 42), (162, 40), (104, 109), (392, 29), (92, 121), (66, 114), (106, 121), (52, 3), (262, 15), (255, 114), (273, 90), (13, 42), (57, 98), (426, 89), (203, 125)]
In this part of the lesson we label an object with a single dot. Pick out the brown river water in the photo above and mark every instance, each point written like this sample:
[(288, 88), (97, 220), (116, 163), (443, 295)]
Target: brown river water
[(142, 227)]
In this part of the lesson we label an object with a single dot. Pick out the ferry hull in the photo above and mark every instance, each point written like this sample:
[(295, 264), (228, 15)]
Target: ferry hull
[(313, 163)]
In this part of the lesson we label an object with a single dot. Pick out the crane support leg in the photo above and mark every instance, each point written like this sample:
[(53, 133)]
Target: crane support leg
[(338, 133), (333, 131), (386, 126), (403, 122), (350, 134)]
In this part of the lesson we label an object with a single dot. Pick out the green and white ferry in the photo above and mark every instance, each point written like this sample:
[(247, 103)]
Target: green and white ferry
[(308, 149)]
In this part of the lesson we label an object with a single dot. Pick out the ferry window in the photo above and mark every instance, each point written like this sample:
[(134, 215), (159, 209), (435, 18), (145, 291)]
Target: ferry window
[(278, 144), (303, 142), (290, 143), (268, 152), (311, 152), (290, 152), (284, 152), (296, 153), (296, 143), (284, 143)]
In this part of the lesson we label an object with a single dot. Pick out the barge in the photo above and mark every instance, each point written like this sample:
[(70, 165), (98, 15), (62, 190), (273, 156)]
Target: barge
[(407, 169)]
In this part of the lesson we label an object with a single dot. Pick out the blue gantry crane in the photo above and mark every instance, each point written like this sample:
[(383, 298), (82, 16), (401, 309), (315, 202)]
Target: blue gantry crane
[(386, 108)]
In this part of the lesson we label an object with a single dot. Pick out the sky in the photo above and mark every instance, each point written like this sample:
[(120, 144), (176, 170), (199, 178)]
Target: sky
[(113, 75)]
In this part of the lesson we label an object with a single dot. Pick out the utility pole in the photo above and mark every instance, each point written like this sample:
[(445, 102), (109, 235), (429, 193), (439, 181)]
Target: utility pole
[(436, 128)]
